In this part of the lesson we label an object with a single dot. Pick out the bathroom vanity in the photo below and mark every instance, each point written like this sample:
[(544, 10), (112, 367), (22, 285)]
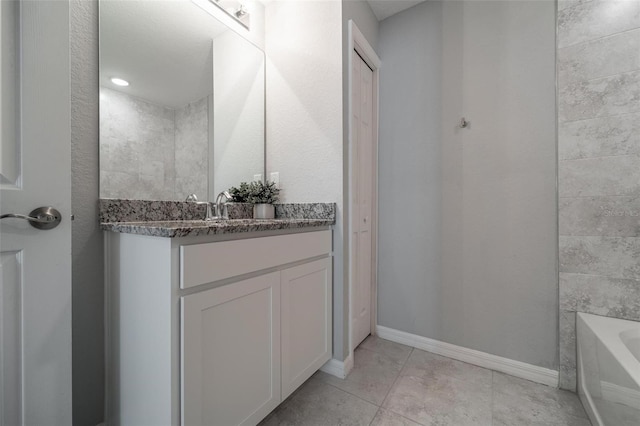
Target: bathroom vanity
[(214, 323)]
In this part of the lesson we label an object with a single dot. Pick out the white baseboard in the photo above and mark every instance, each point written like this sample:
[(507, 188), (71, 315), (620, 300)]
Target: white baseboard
[(481, 359), (340, 369)]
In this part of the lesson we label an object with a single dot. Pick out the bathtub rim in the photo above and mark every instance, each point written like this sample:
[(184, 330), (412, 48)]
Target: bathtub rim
[(608, 330)]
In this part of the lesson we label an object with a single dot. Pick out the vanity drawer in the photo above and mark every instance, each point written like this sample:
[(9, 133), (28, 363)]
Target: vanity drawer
[(205, 263)]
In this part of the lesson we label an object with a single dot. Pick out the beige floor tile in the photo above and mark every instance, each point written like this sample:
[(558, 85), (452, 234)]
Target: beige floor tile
[(424, 389), (372, 376), (554, 400), (516, 409), (441, 400), (427, 365), (391, 349), (320, 404), (389, 418)]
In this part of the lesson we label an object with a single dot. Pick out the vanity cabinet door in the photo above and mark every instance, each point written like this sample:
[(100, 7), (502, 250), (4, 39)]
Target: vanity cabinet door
[(306, 322), (231, 353)]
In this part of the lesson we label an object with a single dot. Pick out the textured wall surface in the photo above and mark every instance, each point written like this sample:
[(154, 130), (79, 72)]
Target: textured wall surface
[(87, 242), (150, 151), (304, 119), (599, 163), (192, 150), (471, 258)]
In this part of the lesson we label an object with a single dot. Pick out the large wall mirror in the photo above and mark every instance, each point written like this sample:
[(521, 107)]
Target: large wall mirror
[(189, 116)]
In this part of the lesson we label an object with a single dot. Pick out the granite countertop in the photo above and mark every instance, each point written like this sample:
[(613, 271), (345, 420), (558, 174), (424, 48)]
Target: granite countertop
[(172, 219), (183, 228)]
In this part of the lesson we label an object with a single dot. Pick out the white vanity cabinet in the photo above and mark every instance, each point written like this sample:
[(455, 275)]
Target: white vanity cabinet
[(212, 330)]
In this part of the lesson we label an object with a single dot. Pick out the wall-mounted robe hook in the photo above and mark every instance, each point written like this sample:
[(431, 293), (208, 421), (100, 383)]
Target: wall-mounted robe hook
[(464, 123)]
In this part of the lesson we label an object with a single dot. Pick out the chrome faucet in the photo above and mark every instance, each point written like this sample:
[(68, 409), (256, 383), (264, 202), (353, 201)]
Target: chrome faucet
[(192, 198), (221, 205)]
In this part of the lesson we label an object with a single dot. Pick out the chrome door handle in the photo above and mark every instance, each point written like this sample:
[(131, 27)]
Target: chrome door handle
[(40, 218)]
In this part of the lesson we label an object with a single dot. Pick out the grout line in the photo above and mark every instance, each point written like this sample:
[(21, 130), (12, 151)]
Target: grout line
[(603, 116), (634, 154), (574, 82), (387, 356), (599, 196), (600, 276), (352, 394), (594, 157), (404, 417), (374, 416), (597, 39), (596, 117), (397, 377), (492, 394), (391, 387), (601, 236), (593, 117)]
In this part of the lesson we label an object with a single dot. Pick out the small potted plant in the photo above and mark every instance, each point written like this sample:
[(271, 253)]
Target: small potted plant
[(262, 195), (240, 194)]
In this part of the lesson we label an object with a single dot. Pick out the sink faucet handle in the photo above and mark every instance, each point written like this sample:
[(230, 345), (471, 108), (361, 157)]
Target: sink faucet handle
[(221, 206), (209, 213), (192, 197)]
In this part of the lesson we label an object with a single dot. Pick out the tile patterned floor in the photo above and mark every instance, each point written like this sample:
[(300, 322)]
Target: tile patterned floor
[(395, 385)]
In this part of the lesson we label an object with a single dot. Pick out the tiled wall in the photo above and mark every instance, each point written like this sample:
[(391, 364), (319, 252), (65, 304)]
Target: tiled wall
[(599, 165), (192, 151), (152, 152)]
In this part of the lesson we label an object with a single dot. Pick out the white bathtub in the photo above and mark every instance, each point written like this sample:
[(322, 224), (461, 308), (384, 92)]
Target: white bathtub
[(609, 369)]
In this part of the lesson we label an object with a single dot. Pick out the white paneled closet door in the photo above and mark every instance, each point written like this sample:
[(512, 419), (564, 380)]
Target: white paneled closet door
[(363, 166)]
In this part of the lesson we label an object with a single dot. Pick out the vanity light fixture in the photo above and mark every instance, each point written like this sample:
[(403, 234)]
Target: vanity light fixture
[(242, 10), (236, 9), (119, 82)]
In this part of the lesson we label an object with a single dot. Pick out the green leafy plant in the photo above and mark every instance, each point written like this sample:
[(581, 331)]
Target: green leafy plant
[(257, 192), (240, 194)]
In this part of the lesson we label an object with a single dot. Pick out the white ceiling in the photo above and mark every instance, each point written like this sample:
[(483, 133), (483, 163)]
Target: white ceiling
[(163, 48), (385, 8)]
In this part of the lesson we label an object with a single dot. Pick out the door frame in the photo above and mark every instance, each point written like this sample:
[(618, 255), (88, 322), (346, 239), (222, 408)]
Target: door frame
[(358, 42)]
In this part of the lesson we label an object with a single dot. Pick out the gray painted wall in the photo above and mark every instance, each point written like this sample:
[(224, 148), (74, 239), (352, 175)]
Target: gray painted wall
[(362, 15), (599, 153), (410, 151), (468, 239), (87, 244)]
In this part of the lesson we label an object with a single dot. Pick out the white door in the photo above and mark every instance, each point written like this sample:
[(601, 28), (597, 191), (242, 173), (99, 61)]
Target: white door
[(231, 353), (305, 322), (362, 193), (35, 170)]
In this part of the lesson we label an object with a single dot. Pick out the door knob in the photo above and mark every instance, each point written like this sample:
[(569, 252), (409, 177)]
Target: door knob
[(40, 218)]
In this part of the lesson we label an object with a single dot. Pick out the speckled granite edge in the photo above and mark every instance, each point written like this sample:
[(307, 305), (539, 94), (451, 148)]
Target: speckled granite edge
[(119, 210), (116, 210), (306, 211), (175, 229)]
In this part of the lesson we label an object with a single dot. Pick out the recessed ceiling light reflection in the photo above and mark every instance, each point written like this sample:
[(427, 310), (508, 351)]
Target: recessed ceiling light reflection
[(119, 82)]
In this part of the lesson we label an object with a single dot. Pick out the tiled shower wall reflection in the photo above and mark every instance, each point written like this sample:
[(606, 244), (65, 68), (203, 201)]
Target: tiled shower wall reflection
[(152, 152), (599, 165)]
